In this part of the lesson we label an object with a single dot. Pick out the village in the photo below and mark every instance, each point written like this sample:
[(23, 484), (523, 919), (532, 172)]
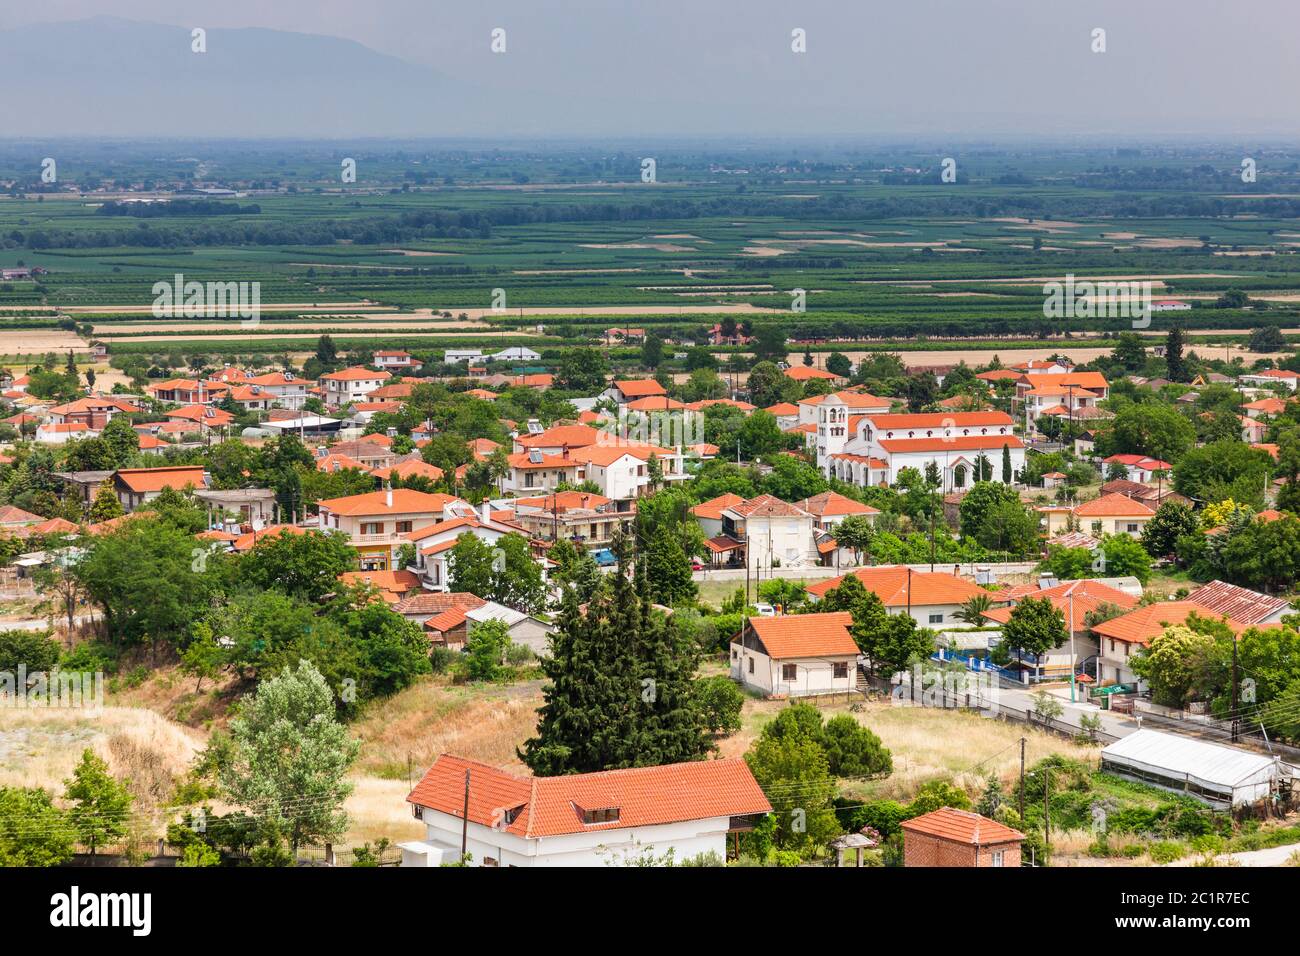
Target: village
[(818, 562)]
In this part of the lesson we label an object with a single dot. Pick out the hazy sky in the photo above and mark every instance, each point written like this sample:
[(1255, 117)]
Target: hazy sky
[(940, 67)]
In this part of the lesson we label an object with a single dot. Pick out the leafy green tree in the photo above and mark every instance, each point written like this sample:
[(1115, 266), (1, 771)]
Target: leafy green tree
[(1172, 520), (852, 750), (1175, 364), (1224, 469), (306, 566), (122, 440), (1263, 554), (101, 806), (856, 532), (1010, 527), (979, 502), (767, 385), (1035, 627), (1125, 556), (106, 505), (582, 370), (668, 570), (33, 831), (770, 343), (795, 773), (721, 702), (652, 352), (31, 650), (620, 686), (148, 580), (486, 646), (287, 758), (837, 363), (204, 657), (1178, 665), (1160, 431), (793, 479)]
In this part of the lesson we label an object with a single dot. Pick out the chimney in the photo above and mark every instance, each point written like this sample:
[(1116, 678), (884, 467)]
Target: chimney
[(388, 497), (486, 510)]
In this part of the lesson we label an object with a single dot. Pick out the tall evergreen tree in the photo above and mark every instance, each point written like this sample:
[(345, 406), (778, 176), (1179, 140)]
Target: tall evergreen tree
[(1006, 465), (1175, 367), (620, 689)]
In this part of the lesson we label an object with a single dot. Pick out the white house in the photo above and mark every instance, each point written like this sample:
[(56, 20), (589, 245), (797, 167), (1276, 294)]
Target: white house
[(622, 471), (351, 385), (796, 655), (769, 533), (456, 356), (1272, 376), (516, 353), (395, 360), (933, 598), (837, 417), (1139, 468), (586, 819)]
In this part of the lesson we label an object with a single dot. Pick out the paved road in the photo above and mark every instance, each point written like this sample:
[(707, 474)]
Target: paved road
[(1274, 856)]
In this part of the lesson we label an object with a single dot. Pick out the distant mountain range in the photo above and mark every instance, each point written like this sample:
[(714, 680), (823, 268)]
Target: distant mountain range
[(111, 77)]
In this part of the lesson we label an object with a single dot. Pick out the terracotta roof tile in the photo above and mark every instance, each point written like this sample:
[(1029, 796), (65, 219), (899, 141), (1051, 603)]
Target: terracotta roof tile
[(806, 635), (962, 826), (553, 806)]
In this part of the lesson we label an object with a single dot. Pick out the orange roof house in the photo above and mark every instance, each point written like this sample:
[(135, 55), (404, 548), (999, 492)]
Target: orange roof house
[(897, 587), (135, 486), (804, 373), (627, 390), (948, 837), (1113, 506), (1139, 626), (796, 655), (698, 802)]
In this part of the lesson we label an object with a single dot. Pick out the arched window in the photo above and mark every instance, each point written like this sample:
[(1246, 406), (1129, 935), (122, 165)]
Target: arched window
[(959, 476)]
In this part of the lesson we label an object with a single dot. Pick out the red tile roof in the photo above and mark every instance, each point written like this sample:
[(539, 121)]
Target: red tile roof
[(942, 420), (955, 443), (553, 806), (806, 635), (714, 507), (766, 506), (1141, 625), (962, 826), (640, 387), (430, 602), (802, 373), (1113, 506), (890, 583), (831, 504), (141, 480), (405, 501)]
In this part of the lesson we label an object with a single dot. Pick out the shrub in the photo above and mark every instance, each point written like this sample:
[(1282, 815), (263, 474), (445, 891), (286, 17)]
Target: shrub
[(720, 704), (1166, 851)]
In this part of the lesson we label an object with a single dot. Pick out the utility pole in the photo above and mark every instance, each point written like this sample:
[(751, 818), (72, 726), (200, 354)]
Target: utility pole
[(1047, 814), (932, 511), (1236, 716), (464, 821), (1022, 780)]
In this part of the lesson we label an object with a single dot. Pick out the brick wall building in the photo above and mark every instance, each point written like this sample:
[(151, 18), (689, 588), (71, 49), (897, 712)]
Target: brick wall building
[(948, 837)]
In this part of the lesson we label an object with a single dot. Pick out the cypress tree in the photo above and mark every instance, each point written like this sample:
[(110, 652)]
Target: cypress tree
[(1006, 464), (620, 689)]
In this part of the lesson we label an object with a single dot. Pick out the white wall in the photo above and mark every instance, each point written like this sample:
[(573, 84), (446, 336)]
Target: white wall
[(603, 846)]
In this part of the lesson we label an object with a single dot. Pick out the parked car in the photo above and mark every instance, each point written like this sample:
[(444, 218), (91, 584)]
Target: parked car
[(697, 564), (764, 609)]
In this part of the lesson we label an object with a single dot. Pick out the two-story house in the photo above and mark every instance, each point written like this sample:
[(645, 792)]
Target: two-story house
[(378, 523)]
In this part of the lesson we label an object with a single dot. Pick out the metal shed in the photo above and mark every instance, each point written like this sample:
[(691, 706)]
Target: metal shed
[(1218, 775)]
